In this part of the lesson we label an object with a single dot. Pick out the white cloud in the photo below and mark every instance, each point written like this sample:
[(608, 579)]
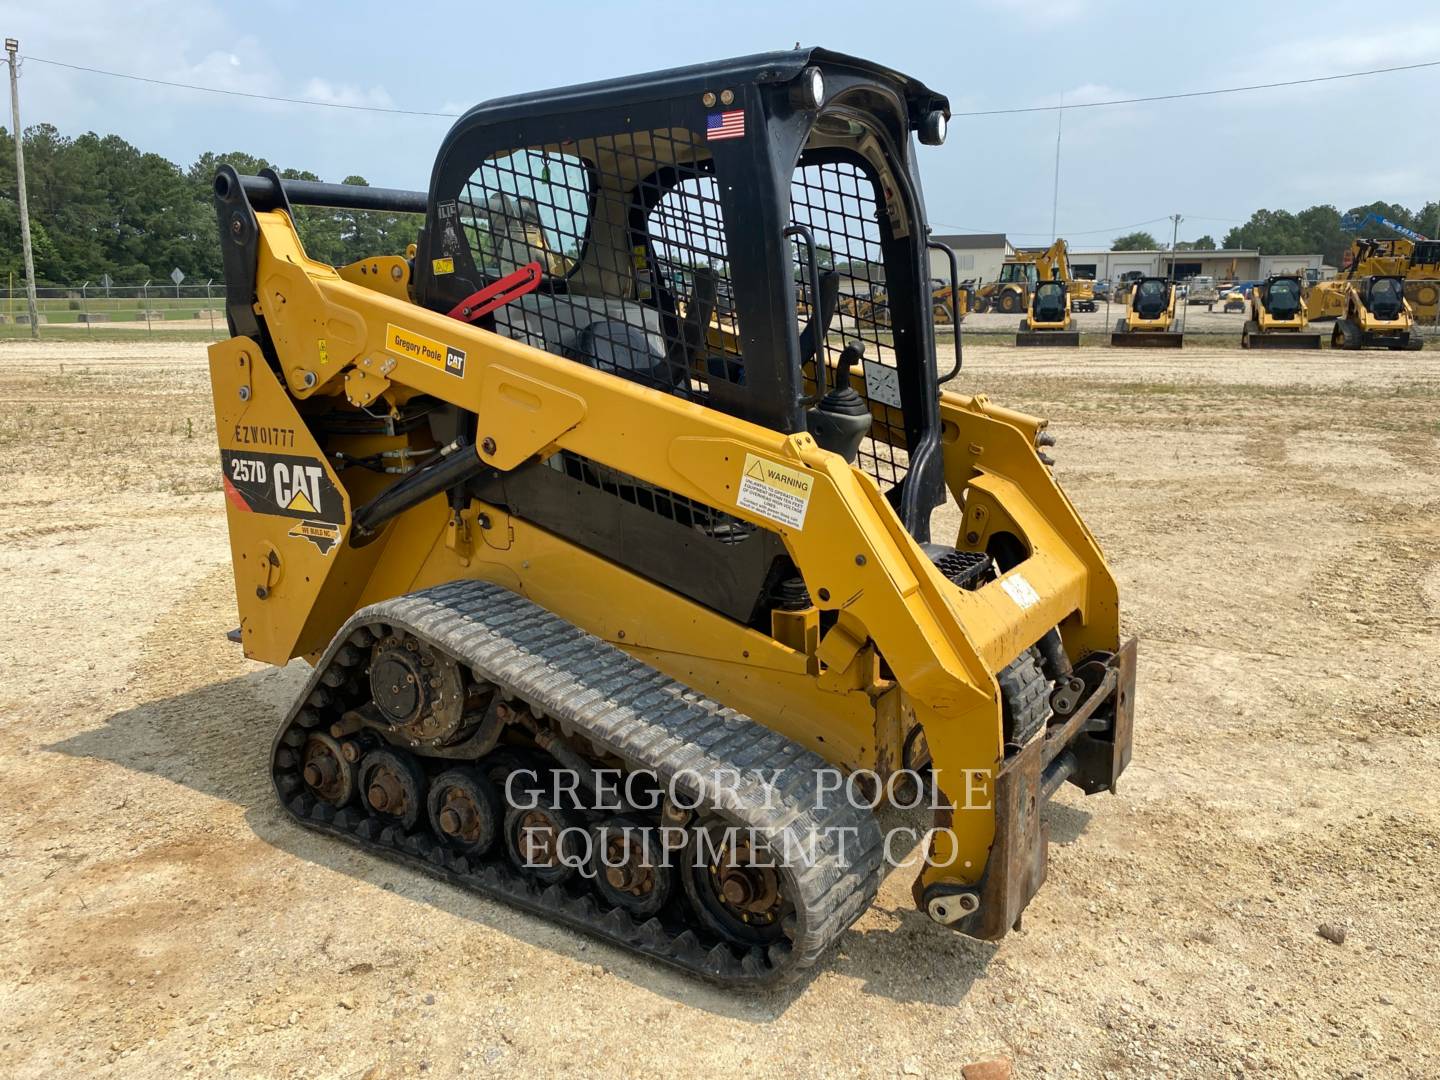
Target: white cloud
[(317, 89)]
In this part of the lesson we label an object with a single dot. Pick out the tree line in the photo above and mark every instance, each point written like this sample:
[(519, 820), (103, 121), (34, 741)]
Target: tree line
[(1317, 229), (101, 206)]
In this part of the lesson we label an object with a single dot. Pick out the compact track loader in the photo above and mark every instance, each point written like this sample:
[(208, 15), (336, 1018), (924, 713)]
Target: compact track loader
[(1149, 319), (1048, 321), (1277, 316), (1377, 316), (627, 614)]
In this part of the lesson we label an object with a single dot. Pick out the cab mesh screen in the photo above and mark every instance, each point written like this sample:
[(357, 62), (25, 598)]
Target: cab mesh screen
[(837, 201), (629, 232)]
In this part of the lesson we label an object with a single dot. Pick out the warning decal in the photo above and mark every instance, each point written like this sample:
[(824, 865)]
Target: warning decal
[(775, 491)]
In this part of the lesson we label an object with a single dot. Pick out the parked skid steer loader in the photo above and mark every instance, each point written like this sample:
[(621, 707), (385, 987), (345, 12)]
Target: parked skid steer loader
[(624, 612), (1277, 316), (1149, 319), (1377, 316), (1048, 321)]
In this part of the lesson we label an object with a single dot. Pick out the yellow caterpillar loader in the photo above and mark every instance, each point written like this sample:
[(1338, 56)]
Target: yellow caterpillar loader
[(1366, 258), (1277, 316), (1377, 316), (1048, 321), (1149, 319), (628, 620)]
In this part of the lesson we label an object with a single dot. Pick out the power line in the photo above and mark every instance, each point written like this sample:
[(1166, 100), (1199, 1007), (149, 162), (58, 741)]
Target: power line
[(981, 112), (1200, 93), (242, 93)]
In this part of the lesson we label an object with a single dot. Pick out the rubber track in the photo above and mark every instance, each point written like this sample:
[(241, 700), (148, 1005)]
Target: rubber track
[(1026, 694), (648, 720)]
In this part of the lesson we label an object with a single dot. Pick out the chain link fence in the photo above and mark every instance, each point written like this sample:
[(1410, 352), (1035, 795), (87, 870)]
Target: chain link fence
[(152, 307), (157, 309)]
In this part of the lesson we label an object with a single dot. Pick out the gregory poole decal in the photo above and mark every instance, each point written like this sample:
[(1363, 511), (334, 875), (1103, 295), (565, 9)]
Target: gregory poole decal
[(285, 485), (427, 350), (775, 491)]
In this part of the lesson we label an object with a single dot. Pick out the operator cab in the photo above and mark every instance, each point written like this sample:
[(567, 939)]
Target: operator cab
[(1283, 298), (691, 228), (1151, 297), (1050, 302), (1385, 297)]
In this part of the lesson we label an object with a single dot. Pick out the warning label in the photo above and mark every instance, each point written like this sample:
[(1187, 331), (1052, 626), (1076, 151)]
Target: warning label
[(775, 491)]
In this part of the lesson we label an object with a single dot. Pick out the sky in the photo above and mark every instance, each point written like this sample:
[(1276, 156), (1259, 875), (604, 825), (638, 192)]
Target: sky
[(1213, 160)]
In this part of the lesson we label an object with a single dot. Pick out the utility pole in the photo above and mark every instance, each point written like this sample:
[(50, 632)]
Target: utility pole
[(13, 47), (1055, 197), (1175, 220)]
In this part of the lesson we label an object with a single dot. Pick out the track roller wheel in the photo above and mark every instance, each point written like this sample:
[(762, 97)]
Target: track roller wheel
[(392, 784), (326, 771), (465, 810), (631, 869), (735, 890), (544, 842)]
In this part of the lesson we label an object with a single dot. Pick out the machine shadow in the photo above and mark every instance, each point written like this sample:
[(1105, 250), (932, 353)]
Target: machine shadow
[(215, 739)]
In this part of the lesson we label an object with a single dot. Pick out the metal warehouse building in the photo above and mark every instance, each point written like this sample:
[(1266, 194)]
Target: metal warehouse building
[(1232, 264), (980, 256)]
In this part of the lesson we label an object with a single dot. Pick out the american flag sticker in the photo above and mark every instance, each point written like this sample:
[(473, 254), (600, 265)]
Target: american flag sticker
[(725, 125)]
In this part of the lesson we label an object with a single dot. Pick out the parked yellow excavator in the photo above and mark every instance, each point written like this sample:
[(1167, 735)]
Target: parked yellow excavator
[(1277, 316), (629, 619), (1149, 319), (1048, 321), (1377, 316)]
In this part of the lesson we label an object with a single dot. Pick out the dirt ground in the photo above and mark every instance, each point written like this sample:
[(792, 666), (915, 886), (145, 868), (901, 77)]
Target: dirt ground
[(1273, 521)]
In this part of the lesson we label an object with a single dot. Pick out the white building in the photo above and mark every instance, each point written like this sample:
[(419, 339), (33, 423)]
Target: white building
[(1229, 264), (979, 256)]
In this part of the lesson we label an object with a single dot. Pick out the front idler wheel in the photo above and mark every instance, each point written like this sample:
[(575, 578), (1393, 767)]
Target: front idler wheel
[(736, 888), (392, 784), (631, 867), (465, 810)]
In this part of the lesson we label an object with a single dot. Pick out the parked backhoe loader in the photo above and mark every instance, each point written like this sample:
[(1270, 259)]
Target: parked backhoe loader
[(1020, 274), (629, 620), (1048, 321), (1377, 316), (1277, 316), (1149, 319)]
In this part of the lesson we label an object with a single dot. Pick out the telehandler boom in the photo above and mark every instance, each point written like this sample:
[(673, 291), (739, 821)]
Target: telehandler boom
[(616, 574)]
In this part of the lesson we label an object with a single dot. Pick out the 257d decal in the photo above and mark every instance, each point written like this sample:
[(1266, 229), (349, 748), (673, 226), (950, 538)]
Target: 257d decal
[(285, 485)]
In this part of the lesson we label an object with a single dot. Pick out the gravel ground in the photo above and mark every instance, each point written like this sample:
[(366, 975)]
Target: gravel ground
[(1273, 521)]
